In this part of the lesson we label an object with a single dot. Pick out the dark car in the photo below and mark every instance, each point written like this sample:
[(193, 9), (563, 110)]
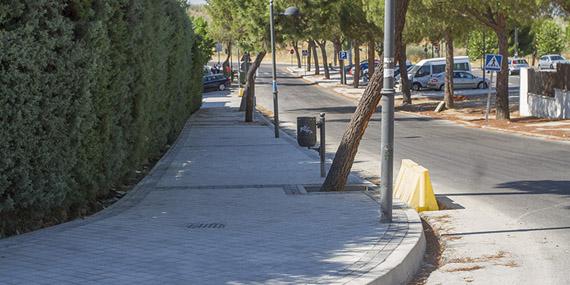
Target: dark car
[(363, 66), (216, 82)]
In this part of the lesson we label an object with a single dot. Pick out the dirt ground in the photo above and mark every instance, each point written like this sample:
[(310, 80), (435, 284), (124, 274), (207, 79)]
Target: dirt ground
[(471, 113)]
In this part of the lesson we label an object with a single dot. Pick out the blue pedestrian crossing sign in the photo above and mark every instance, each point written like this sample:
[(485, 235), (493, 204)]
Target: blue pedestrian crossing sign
[(343, 55), (493, 62)]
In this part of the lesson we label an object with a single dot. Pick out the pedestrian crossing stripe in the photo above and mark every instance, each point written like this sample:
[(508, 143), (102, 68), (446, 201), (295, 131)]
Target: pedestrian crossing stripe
[(493, 62)]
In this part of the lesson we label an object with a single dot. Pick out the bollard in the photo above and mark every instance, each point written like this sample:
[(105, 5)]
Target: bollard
[(322, 147)]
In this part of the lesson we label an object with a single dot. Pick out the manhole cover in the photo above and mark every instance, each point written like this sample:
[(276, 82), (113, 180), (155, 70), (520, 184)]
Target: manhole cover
[(206, 226)]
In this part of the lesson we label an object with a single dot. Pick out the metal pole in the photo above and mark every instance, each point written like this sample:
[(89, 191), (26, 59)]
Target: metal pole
[(483, 59), (322, 148), (275, 92), (488, 110), (387, 141)]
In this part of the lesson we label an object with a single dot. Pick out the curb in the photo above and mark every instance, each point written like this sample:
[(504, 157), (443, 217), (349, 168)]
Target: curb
[(406, 259)]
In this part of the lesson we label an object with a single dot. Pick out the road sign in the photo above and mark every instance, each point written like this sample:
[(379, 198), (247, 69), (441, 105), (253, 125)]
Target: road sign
[(493, 62), (219, 47), (292, 51), (343, 55), (305, 52)]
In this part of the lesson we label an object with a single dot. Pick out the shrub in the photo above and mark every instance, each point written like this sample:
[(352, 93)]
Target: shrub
[(90, 90)]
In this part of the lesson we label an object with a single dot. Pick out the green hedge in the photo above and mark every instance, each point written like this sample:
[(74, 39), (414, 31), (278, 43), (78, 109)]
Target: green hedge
[(90, 90)]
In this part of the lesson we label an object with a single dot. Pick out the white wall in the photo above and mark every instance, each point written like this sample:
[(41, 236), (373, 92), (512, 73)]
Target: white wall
[(557, 107)]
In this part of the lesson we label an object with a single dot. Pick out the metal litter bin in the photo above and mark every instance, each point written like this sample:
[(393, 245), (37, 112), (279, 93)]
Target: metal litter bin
[(307, 131)]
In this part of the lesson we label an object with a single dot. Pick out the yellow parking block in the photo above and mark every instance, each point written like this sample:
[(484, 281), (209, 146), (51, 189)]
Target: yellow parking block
[(413, 186), (240, 92)]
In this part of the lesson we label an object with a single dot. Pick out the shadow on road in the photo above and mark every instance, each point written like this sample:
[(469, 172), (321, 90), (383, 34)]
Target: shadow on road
[(559, 187)]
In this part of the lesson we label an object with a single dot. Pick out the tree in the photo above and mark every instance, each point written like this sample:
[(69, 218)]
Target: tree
[(481, 42), (496, 14), (222, 31), (549, 38), (346, 152), (356, 31), (437, 26), (401, 12), (375, 14), (250, 28)]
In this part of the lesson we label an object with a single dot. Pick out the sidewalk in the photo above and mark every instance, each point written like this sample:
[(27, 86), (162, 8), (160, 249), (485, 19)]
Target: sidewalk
[(226, 205)]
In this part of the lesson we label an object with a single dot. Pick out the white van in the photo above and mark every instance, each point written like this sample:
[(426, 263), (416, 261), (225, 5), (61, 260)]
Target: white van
[(421, 73)]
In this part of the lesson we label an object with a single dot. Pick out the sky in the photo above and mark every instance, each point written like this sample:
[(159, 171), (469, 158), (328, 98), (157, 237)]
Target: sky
[(197, 1)]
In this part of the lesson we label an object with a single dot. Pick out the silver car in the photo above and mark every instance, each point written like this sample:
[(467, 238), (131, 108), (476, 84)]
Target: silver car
[(461, 80), (515, 65), (550, 61)]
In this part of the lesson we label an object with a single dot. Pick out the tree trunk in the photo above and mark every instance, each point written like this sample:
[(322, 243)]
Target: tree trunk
[(297, 55), (356, 69), (344, 158), (337, 46), (226, 63), (323, 47), (249, 90), (400, 52), (309, 56), (502, 101), (313, 49), (371, 56), (449, 63)]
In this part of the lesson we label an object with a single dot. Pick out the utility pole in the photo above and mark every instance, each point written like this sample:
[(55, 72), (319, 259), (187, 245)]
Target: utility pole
[(274, 63), (483, 59), (387, 140)]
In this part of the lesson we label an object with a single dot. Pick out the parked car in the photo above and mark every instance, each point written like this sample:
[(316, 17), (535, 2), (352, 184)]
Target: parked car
[(366, 77), (515, 65), (461, 80), (423, 71), (216, 82), (550, 61), (363, 66)]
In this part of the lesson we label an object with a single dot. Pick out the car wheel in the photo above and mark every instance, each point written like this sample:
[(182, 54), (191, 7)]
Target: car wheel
[(222, 87), (441, 87), (416, 87), (482, 85)]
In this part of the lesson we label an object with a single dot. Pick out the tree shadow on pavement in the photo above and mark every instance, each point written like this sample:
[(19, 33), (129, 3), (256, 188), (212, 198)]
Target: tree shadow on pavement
[(559, 187)]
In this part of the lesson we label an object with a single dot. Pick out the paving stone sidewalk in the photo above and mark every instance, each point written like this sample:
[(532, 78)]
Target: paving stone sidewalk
[(225, 205)]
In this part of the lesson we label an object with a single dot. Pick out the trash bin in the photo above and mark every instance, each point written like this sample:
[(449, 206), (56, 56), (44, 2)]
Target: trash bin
[(307, 131)]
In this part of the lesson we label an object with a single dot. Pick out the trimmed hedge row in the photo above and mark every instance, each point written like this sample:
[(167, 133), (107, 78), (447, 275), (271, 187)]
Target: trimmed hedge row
[(89, 91)]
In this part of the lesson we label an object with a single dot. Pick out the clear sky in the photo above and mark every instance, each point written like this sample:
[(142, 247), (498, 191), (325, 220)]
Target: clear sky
[(197, 1)]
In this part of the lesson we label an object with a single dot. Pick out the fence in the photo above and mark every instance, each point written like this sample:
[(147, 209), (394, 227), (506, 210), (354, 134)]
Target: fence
[(545, 94), (544, 82)]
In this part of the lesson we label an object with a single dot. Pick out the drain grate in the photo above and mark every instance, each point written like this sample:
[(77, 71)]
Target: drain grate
[(196, 226)]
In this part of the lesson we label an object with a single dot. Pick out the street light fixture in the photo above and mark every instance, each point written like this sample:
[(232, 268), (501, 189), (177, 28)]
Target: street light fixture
[(289, 12), (387, 140)]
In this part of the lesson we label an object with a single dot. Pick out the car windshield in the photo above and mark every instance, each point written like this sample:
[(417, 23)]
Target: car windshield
[(415, 69), (557, 57), (520, 61)]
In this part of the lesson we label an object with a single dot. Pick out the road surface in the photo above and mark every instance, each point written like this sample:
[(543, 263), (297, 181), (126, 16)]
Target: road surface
[(514, 191)]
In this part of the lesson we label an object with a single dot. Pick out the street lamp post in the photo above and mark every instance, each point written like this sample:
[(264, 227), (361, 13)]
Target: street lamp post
[(291, 11), (387, 141)]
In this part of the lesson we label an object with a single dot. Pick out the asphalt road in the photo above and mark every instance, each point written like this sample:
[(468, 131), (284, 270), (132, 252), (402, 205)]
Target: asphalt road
[(515, 190)]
